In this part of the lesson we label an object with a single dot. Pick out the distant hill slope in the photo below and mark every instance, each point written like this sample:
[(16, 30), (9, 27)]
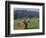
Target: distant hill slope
[(25, 14)]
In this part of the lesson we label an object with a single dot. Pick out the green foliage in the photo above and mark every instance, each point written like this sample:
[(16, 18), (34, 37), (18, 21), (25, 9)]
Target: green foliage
[(34, 23)]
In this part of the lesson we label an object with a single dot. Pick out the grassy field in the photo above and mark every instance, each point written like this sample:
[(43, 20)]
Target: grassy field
[(34, 23)]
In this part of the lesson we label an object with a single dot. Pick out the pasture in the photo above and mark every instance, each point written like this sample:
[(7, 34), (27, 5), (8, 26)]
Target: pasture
[(34, 23)]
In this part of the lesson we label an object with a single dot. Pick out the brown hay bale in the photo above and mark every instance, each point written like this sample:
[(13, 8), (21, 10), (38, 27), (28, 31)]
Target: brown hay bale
[(20, 25)]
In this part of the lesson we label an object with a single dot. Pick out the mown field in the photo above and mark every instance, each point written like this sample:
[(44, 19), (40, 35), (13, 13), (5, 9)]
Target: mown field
[(34, 23)]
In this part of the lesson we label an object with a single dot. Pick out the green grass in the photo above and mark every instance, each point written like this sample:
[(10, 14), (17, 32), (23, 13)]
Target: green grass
[(34, 23)]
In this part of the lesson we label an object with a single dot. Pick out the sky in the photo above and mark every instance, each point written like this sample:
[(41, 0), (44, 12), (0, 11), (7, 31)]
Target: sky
[(28, 9)]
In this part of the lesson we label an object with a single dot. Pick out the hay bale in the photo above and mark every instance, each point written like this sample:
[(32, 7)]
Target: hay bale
[(20, 25)]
